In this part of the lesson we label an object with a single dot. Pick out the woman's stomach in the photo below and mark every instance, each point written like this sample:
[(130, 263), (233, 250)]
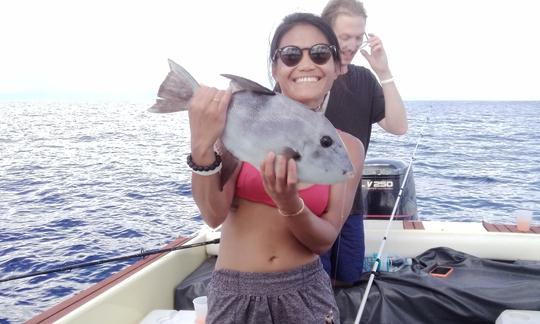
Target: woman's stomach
[(255, 238)]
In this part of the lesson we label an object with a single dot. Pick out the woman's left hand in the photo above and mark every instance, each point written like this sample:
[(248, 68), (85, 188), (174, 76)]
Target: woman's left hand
[(280, 182)]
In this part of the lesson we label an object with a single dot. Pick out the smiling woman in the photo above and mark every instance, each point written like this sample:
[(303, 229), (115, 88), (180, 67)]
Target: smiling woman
[(275, 222)]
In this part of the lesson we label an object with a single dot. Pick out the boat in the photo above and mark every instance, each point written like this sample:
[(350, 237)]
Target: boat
[(495, 259), (147, 285)]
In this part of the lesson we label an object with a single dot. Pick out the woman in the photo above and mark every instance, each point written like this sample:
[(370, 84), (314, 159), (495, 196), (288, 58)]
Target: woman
[(268, 269)]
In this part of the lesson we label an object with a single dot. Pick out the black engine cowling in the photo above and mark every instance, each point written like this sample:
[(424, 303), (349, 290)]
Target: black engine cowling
[(381, 182)]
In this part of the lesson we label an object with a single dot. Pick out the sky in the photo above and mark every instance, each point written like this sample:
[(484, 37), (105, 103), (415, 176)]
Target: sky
[(104, 50)]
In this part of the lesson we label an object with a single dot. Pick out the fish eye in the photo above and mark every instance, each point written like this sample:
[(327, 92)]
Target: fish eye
[(326, 141)]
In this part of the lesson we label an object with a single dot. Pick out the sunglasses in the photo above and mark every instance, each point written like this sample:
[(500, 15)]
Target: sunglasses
[(292, 55)]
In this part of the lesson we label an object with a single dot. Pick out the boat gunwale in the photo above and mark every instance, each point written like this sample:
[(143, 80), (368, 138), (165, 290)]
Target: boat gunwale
[(80, 298)]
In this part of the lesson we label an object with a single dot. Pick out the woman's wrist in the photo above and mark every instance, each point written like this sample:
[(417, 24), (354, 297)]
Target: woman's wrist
[(205, 170), (202, 155), (293, 212)]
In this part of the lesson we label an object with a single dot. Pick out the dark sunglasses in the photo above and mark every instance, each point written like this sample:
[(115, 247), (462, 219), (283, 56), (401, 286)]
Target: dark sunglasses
[(292, 55)]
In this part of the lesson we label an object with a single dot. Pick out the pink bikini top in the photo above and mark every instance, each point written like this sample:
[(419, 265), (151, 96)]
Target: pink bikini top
[(249, 186)]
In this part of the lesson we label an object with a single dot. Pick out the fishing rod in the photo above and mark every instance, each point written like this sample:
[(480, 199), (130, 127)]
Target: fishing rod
[(383, 242), (98, 262)]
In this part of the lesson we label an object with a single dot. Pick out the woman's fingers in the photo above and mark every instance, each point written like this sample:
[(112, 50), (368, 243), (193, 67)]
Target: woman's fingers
[(207, 115), (292, 177), (279, 178), (279, 173), (267, 170), (202, 97), (222, 98), (207, 99)]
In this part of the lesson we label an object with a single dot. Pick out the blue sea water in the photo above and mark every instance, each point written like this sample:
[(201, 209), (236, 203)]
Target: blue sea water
[(81, 182)]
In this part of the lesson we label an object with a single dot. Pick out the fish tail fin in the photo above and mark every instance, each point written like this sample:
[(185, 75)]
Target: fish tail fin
[(175, 91)]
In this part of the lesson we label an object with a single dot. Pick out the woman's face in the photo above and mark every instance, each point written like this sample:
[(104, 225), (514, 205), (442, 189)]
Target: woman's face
[(306, 82)]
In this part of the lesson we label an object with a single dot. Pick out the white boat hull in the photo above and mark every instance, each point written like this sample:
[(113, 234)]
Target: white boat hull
[(127, 297)]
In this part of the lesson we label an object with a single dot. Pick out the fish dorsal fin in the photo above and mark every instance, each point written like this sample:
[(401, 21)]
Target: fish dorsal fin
[(239, 83)]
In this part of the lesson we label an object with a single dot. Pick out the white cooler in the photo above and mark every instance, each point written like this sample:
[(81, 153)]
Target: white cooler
[(168, 316), (514, 316)]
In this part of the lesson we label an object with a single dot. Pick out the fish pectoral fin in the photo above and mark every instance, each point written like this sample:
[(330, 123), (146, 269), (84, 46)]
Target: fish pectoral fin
[(229, 163), (239, 83), (290, 153)]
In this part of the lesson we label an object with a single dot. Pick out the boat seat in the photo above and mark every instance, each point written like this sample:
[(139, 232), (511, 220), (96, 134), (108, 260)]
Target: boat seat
[(194, 285)]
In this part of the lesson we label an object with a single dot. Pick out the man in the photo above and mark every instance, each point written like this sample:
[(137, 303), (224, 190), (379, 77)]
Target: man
[(356, 101)]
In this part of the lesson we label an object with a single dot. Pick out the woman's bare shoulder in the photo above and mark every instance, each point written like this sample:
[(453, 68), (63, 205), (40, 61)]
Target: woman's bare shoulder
[(351, 142)]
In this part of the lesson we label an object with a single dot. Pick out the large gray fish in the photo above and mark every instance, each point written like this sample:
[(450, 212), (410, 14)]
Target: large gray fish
[(260, 120)]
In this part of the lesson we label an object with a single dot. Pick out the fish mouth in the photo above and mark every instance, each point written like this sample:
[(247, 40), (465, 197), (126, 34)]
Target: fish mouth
[(306, 79)]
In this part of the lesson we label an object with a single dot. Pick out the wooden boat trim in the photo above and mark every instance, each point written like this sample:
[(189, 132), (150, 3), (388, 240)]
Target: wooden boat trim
[(86, 295), (413, 225), (511, 228)]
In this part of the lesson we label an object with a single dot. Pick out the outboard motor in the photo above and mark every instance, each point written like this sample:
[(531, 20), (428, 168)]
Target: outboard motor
[(380, 189)]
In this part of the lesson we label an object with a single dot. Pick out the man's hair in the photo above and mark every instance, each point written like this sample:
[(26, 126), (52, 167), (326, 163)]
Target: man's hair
[(334, 8)]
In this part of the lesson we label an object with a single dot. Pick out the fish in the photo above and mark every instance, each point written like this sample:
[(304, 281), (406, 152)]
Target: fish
[(260, 120)]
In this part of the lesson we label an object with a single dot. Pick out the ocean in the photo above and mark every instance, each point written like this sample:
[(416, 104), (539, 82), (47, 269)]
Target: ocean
[(81, 182)]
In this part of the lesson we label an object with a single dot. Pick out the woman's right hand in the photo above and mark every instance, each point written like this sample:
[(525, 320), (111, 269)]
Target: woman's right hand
[(207, 115), (280, 182)]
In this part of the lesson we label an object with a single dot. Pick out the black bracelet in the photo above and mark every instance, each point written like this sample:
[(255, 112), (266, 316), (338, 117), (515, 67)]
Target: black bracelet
[(195, 167)]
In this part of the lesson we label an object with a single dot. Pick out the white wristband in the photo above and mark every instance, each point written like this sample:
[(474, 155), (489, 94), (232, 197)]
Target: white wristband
[(209, 173), (389, 80)]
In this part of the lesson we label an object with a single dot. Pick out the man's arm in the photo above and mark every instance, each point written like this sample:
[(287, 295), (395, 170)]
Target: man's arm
[(395, 117)]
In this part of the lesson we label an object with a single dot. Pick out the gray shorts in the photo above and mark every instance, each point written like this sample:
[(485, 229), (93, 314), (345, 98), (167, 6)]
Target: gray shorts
[(301, 295)]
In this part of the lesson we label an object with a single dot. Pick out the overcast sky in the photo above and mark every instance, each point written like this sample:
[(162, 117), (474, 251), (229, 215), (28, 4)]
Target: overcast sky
[(118, 50)]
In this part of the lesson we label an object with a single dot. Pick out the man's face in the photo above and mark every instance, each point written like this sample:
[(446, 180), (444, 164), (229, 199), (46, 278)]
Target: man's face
[(350, 31)]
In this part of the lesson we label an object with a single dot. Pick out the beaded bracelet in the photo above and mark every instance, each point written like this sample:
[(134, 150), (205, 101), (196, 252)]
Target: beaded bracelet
[(205, 170), (293, 214)]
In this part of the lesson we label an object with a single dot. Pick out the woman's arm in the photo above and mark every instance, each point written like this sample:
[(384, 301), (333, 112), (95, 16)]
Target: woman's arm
[(207, 115), (213, 203), (316, 233)]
